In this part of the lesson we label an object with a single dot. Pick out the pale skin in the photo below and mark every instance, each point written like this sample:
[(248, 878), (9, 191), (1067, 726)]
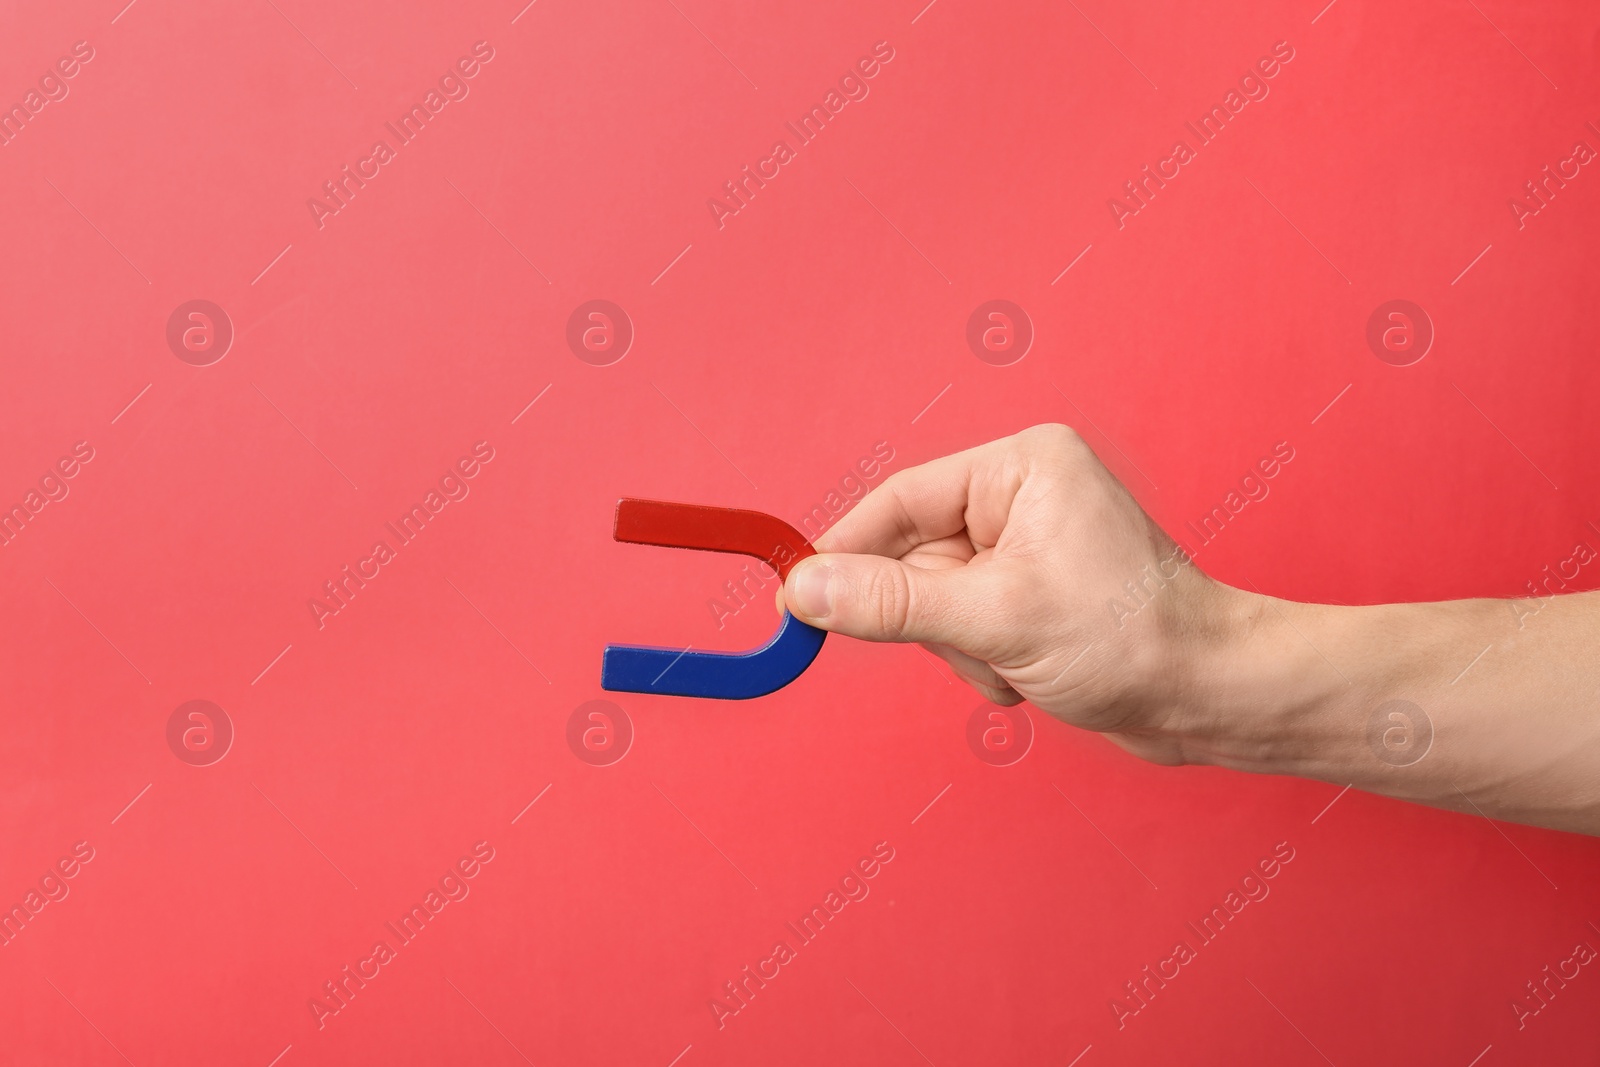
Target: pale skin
[(1003, 560)]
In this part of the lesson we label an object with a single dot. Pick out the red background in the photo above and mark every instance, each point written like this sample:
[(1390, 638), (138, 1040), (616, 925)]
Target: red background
[(770, 356)]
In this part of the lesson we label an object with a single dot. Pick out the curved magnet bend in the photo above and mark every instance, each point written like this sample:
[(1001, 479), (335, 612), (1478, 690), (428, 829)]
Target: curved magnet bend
[(724, 675), (721, 675)]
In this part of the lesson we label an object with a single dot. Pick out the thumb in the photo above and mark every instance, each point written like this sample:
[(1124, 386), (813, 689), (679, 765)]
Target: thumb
[(880, 599)]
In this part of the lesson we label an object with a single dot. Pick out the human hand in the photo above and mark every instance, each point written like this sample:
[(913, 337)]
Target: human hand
[(1004, 560)]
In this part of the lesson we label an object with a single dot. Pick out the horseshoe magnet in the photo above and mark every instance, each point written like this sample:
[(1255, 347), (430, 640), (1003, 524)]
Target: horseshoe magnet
[(687, 672)]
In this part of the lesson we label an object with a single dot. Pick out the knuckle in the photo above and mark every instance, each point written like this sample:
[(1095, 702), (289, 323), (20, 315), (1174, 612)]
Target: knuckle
[(1061, 452), (889, 592), (1056, 434), (1055, 446)]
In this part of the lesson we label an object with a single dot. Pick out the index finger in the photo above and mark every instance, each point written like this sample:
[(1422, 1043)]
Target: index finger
[(970, 490)]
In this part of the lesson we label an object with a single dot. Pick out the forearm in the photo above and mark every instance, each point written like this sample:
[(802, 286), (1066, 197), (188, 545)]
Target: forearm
[(1500, 712)]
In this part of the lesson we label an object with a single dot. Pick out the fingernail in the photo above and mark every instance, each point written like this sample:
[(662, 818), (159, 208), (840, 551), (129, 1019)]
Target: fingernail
[(812, 585)]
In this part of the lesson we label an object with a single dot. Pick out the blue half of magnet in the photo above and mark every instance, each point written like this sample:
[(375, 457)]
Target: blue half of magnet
[(720, 675)]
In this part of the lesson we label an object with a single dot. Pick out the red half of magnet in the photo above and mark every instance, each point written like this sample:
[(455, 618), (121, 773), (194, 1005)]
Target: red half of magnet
[(748, 533)]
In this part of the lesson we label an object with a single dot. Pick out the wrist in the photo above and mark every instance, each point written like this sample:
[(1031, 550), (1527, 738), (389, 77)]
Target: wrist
[(1254, 693)]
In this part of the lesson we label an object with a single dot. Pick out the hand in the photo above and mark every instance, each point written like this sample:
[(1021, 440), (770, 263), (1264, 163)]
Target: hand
[(1027, 567)]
